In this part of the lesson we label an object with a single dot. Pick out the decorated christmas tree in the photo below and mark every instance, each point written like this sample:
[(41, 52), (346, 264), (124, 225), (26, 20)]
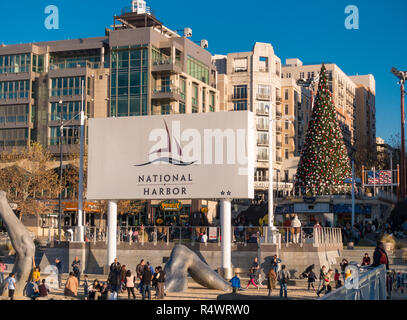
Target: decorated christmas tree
[(324, 164)]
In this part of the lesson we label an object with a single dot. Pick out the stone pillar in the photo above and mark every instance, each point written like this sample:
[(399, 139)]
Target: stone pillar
[(226, 232), (111, 231)]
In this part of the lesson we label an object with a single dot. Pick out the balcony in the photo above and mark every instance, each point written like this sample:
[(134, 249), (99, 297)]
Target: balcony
[(262, 127), (167, 65), (72, 65), (262, 142), (263, 96), (278, 100), (262, 157), (239, 96), (279, 159), (166, 93), (278, 114), (279, 144), (262, 111)]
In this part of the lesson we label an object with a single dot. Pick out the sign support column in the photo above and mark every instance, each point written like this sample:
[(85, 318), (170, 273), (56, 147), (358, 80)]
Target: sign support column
[(226, 233), (111, 231)]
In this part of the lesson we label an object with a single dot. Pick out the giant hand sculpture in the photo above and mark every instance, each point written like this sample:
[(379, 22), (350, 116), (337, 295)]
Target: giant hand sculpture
[(183, 261), (22, 244)]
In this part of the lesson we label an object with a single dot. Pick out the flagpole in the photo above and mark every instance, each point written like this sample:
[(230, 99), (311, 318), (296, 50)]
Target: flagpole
[(353, 193), (374, 181)]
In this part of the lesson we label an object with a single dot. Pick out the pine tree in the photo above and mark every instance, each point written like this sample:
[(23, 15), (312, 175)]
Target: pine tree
[(324, 164)]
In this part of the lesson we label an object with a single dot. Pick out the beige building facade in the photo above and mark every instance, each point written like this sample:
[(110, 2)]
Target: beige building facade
[(343, 93), (252, 81)]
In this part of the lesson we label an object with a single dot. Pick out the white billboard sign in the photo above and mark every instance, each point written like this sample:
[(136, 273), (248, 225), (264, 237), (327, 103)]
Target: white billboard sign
[(188, 156)]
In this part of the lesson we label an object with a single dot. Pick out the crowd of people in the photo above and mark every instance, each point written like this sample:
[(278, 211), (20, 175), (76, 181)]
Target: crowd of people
[(120, 280)]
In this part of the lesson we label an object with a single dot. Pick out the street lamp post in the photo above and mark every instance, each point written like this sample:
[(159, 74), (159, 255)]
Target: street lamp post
[(402, 76), (61, 133), (80, 227), (80, 234)]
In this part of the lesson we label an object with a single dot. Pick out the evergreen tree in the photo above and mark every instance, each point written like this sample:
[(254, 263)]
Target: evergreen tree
[(324, 162)]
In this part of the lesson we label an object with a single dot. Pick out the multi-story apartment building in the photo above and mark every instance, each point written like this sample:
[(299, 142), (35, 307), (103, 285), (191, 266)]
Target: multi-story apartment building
[(343, 93), (365, 112), (296, 112), (139, 68), (252, 81)]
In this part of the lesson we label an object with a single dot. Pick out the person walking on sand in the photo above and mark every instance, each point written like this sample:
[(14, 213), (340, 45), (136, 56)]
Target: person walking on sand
[(130, 280), (271, 281), (283, 276), (11, 285), (235, 281), (252, 277), (71, 286)]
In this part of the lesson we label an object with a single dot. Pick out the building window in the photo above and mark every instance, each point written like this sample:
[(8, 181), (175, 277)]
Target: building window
[(15, 63), (13, 138), (286, 94), (263, 64), (240, 105), (194, 94), (198, 70), (262, 154), (286, 124), (286, 153), (181, 107), (14, 114), (240, 65), (263, 138), (203, 100), (183, 87), (264, 91), (263, 107), (212, 102), (129, 82), (286, 178), (166, 109), (68, 111), (195, 109), (38, 63), (70, 86), (286, 138), (70, 135), (240, 92), (262, 123), (14, 90), (286, 109)]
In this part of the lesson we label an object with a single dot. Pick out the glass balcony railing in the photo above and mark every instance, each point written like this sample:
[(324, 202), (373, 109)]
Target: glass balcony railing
[(72, 65)]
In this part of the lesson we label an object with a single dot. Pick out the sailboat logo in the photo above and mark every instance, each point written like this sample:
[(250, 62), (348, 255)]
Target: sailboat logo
[(168, 149)]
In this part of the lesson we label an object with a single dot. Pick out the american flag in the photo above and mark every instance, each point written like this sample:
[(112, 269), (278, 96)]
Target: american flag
[(379, 177)]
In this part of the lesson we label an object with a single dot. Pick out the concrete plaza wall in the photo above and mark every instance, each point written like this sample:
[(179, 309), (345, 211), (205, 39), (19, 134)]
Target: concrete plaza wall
[(94, 256)]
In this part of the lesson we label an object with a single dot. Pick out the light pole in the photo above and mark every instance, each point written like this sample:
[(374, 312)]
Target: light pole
[(80, 234), (402, 76), (80, 228), (61, 133)]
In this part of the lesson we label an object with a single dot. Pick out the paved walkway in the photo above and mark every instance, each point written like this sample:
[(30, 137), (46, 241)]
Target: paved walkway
[(196, 292)]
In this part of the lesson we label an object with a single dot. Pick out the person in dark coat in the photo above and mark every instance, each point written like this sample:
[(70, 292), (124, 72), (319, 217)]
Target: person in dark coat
[(115, 277)]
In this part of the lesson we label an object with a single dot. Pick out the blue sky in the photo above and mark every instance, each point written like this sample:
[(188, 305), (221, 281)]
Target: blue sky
[(311, 30)]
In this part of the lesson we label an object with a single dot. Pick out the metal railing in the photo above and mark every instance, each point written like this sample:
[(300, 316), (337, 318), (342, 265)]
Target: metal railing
[(368, 284), (205, 234), (307, 235)]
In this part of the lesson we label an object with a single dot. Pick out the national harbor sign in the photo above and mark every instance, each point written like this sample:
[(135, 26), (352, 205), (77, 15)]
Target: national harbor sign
[(187, 156)]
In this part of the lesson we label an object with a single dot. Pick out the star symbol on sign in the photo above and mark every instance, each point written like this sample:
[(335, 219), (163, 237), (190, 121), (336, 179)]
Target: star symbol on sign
[(229, 193), (222, 193)]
